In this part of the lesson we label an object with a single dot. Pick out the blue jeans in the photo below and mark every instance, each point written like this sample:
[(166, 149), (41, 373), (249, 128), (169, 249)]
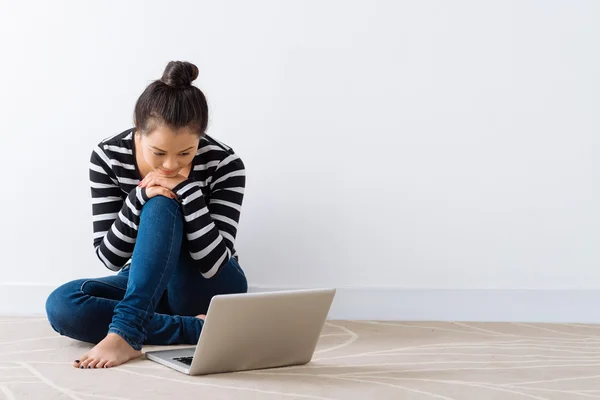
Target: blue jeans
[(155, 299)]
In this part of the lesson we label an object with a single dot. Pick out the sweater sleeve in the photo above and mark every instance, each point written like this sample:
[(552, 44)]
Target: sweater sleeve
[(115, 216), (211, 224)]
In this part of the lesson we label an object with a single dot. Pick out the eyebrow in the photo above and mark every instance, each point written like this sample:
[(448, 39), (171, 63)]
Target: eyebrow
[(156, 148)]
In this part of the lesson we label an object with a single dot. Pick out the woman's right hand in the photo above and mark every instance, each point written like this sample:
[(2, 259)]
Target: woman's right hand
[(159, 191)]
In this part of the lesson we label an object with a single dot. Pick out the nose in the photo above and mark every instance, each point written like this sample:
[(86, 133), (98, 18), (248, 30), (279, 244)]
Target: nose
[(170, 164)]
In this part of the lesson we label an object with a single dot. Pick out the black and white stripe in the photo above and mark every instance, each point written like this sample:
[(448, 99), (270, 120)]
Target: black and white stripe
[(211, 201)]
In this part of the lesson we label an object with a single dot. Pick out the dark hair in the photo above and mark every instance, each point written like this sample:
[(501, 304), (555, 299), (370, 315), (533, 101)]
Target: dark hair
[(173, 101)]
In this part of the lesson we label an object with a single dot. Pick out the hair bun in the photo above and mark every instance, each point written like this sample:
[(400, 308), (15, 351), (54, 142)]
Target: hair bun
[(179, 74)]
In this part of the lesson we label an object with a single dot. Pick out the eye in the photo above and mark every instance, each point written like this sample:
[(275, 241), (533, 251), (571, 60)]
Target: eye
[(158, 154), (184, 154)]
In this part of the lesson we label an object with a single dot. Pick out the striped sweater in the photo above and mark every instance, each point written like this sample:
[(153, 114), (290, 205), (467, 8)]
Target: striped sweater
[(211, 201)]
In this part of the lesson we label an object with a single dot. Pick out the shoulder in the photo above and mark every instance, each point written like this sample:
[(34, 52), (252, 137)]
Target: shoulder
[(120, 140), (212, 152), (119, 146)]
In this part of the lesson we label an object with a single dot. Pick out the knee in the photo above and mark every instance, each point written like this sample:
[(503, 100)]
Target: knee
[(160, 204), (59, 306)]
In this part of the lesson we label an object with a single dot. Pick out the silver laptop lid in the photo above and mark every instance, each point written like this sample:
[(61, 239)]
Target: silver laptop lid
[(261, 330)]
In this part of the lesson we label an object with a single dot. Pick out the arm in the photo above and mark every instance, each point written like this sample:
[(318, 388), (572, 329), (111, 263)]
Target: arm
[(211, 226), (115, 220)]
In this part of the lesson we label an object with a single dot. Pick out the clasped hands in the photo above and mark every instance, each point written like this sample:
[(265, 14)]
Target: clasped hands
[(158, 185)]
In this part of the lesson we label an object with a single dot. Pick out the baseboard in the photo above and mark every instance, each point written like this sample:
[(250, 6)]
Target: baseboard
[(382, 303)]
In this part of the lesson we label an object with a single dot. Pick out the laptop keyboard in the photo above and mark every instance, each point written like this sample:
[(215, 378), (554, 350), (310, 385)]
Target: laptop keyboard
[(185, 360)]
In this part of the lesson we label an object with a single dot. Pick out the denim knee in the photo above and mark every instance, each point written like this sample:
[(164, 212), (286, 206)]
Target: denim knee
[(158, 204), (161, 202), (59, 306)]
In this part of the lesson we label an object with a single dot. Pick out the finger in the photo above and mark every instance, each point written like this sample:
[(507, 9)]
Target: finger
[(153, 191), (168, 193), (144, 180), (158, 181), (148, 177), (154, 181)]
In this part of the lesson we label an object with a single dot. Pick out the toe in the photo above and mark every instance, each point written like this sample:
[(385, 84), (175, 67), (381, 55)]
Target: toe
[(84, 363), (93, 363), (78, 362), (101, 364)]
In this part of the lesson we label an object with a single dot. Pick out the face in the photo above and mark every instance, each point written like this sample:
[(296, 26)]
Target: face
[(168, 152)]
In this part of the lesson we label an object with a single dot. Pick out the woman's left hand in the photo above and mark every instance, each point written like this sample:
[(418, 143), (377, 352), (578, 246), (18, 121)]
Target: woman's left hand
[(154, 179)]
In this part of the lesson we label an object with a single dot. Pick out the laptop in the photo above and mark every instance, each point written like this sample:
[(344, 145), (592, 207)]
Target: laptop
[(249, 331)]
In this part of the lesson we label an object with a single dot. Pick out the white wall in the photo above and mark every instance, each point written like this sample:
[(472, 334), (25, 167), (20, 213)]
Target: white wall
[(402, 144)]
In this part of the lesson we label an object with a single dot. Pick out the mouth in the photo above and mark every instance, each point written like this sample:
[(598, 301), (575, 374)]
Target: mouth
[(166, 173)]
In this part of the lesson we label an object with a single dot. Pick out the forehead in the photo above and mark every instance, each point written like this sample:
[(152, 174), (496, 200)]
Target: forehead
[(169, 139)]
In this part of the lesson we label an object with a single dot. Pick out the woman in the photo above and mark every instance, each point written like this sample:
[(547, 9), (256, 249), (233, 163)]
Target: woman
[(166, 200)]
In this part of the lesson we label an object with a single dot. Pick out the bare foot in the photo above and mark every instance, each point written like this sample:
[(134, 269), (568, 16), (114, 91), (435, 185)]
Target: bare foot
[(113, 350)]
